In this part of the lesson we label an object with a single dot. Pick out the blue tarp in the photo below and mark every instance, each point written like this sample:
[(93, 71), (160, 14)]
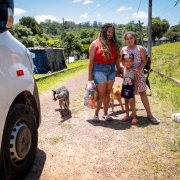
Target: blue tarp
[(41, 61)]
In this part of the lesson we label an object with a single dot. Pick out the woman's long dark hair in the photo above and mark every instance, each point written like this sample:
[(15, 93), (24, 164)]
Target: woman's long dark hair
[(104, 42)]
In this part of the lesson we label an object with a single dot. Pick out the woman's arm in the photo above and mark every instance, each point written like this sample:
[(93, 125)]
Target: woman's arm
[(118, 68), (92, 50), (121, 64), (143, 58)]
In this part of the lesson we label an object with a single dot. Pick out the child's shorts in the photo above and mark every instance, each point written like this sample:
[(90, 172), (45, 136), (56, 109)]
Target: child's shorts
[(127, 91)]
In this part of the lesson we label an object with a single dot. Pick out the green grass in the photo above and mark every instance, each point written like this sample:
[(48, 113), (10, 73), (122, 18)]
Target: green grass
[(166, 92), (78, 98), (61, 78), (55, 140), (65, 125), (166, 59), (77, 63), (159, 155)]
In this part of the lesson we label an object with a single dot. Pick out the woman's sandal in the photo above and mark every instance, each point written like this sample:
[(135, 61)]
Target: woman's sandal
[(126, 118), (95, 119), (134, 121), (154, 120)]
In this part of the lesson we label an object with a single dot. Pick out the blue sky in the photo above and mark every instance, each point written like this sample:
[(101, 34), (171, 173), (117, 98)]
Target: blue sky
[(78, 11)]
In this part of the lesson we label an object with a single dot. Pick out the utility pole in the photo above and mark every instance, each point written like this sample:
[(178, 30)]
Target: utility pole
[(150, 28), (140, 30), (176, 3), (63, 33), (130, 25)]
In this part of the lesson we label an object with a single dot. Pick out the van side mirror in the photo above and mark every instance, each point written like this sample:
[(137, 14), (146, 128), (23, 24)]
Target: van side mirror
[(6, 14)]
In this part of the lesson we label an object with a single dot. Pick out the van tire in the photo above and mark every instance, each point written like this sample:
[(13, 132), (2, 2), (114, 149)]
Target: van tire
[(19, 142)]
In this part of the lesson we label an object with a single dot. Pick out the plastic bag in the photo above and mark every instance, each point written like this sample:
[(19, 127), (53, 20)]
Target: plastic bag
[(90, 95), (176, 117)]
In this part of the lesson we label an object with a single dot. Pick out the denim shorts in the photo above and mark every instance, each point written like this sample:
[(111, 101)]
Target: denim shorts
[(103, 73)]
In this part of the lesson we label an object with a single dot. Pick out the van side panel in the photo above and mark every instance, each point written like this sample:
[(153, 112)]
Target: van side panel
[(4, 92), (18, 70)]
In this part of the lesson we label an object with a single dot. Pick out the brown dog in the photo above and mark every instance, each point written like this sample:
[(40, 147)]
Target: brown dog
[(116, 95)]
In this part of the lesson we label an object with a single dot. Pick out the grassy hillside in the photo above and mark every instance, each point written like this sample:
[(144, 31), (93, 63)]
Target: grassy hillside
[(166, 59)]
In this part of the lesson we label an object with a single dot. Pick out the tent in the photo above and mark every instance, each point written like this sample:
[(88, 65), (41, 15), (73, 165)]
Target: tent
[(48, 59)]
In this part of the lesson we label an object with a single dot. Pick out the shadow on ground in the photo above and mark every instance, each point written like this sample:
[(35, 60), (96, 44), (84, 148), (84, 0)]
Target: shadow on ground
[(38, 166), (66, 115), (117, 124)]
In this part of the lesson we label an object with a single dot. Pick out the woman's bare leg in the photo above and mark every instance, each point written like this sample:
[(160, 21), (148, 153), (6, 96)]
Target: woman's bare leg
[(101, 89), (145, 102), (106, 99)]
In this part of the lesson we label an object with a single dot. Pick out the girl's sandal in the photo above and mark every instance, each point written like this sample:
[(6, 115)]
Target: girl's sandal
[(134, 121), (126, 118)]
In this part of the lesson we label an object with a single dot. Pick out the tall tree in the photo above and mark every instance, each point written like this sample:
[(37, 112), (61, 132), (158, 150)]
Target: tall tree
[(24, 35), (95, 24), (159, 27), (71, 43), (31, 23), (172, 32)]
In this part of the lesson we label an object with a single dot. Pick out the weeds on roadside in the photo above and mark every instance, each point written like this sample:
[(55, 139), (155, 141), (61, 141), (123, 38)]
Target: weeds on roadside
[(78, 99), (66, 126), (55, 140)]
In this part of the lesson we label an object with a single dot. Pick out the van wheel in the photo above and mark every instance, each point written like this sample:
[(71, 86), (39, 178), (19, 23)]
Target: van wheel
[(19, 143)]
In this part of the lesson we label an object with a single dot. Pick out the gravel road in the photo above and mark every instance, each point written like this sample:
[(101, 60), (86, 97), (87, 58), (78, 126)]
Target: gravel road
[(75, 148)]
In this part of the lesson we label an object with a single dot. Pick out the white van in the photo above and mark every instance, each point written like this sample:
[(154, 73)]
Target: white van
[(20, 114)]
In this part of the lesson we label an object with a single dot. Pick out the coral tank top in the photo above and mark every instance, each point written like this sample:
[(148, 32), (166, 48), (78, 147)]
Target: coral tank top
[(99, 59)]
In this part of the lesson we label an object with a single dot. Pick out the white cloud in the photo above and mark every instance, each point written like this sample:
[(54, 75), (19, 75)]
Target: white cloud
[(98, 5), (19, 11), (87, 2), (85, 15), (75, 1), (123, 8), (99, 15), (140, 14), (42, 18)]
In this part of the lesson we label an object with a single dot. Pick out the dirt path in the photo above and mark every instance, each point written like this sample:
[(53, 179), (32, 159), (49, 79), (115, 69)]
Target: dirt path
[(77, 149)]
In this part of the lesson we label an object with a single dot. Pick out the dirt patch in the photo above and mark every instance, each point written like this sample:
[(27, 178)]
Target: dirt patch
[(75, 148)]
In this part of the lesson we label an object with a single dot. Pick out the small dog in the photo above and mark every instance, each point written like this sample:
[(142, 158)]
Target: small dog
[(116, 95), (62, 94)]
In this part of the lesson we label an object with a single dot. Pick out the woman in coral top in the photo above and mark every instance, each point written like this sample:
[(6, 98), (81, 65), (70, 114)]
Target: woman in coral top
[(104, 57)]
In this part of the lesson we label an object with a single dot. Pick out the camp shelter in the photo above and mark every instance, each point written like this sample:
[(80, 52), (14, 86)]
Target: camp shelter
[(47, 59)]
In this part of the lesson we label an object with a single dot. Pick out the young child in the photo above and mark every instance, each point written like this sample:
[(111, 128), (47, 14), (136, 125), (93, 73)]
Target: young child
[(129, 88)]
